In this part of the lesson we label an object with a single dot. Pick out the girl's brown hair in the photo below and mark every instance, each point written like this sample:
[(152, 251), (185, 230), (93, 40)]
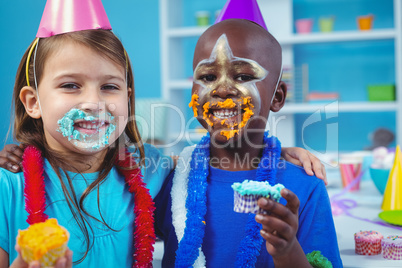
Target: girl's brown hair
[(28, 130)]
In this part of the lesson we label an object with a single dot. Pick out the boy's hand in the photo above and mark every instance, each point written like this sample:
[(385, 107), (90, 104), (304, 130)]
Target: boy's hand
[(11, 157), (64, 262), (301, 157), (280, 227)]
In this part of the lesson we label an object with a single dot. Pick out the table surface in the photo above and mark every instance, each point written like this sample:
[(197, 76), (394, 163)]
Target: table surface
[(368, 207)]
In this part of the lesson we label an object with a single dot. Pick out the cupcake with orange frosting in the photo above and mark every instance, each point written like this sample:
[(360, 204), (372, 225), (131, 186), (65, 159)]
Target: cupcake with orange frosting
[(44, 242)]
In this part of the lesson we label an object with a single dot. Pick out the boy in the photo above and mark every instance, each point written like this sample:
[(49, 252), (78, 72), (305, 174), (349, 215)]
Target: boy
[(237, 68)]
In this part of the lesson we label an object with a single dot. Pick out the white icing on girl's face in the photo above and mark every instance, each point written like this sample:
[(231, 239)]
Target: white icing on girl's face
[(84, 100)]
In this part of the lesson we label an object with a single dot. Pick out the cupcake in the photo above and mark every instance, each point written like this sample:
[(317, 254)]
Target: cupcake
[(247, 193), (368, 243), (392, 247), (44, 242)]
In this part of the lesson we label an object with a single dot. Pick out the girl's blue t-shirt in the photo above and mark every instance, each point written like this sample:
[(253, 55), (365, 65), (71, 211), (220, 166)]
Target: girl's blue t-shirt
[(116, 205)]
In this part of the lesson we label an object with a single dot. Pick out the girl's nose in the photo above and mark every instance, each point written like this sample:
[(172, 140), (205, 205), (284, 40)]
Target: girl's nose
[(91, 106), (92, 101)]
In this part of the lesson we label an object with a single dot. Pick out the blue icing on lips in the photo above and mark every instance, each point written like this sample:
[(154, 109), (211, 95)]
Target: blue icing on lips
[(66, 128)]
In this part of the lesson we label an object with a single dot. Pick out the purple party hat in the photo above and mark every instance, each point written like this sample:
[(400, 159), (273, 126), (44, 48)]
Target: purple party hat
[(63, 16), (242, 9)]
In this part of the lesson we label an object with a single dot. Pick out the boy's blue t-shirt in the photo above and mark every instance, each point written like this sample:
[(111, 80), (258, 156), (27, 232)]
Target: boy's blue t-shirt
[(110, 248), (225, 228)]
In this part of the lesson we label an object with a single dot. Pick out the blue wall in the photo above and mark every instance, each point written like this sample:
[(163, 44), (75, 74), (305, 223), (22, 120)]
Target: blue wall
[(136, 23)]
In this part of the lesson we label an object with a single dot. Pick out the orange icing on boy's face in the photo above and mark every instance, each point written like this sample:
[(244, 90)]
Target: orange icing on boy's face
[(227, 95)]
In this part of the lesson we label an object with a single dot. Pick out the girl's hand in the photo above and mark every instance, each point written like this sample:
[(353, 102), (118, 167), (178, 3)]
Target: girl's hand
[(279, 228), (301, 157), (64, 262), (11, 157)]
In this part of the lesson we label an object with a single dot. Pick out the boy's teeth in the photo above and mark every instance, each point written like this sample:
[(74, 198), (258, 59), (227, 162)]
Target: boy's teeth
[(223, 114)]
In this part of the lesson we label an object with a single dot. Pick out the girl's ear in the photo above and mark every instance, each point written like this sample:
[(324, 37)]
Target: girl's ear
[(129, 92), (29, 99), (279, 98)]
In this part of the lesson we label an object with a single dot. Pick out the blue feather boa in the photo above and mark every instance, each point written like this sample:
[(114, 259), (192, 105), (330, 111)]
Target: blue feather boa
[(196, 206)]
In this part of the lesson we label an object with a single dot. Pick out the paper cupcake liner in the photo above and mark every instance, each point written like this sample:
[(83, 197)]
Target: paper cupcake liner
[(247, 203), (368, 243), (392, 248)]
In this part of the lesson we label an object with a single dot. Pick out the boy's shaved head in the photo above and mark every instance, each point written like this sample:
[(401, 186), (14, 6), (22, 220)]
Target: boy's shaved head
[(247, 40)]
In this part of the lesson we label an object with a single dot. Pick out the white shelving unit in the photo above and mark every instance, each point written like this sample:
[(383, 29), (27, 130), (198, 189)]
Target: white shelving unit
[(174, 84)]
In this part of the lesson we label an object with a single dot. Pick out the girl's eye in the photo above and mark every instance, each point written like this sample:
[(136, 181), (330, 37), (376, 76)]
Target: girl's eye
[(244, 77), (110, 87), (208, 78), (69, 86)]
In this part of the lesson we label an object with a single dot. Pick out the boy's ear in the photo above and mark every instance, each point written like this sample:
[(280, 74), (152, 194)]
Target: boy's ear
[(29, 99), (279, 98)]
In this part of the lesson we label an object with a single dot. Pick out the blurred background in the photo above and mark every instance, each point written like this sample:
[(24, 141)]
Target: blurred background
[(342, 64)]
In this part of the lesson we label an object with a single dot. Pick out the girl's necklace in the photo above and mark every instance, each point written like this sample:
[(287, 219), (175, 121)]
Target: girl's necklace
[(144, 233), (189, 252)]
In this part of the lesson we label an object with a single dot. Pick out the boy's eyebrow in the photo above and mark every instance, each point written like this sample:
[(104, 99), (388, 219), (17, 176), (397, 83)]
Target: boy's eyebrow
[(241, 63), (206, 65)]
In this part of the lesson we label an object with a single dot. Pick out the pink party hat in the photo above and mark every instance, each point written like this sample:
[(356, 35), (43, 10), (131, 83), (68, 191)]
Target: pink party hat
[(63, 16), (242, 9)]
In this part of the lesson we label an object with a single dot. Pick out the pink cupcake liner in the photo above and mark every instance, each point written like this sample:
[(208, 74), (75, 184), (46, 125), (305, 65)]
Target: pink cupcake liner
[(392, 247), (368, 243)]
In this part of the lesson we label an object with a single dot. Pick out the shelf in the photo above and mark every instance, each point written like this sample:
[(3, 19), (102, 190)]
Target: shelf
[(186, 31), (315, 37), (182, 84), (339, 36), (354, 107)]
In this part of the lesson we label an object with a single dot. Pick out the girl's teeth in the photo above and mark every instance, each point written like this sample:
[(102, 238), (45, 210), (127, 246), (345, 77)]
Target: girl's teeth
[(91, 125)]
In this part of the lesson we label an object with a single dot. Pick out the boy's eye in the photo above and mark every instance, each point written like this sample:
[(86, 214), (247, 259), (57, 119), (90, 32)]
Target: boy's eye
[(110, 87), (208, 78), (244, 77), (69, 86)]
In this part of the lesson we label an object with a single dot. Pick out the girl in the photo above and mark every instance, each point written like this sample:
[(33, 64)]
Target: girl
[(76, 115)]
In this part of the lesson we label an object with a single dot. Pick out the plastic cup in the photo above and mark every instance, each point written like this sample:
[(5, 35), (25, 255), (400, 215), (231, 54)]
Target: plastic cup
[(202, 18), (365, 23), (304, 25), (350, 168), (326, 24)]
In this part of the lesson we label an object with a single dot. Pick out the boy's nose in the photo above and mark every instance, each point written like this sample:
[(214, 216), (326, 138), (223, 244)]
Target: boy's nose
[(224, 90)]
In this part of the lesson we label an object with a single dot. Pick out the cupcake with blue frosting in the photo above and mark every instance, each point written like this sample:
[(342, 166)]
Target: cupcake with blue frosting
[(247, 193)]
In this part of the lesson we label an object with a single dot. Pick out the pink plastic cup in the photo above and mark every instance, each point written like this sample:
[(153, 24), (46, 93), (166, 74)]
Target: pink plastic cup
[(304, 25), (350, 169)]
